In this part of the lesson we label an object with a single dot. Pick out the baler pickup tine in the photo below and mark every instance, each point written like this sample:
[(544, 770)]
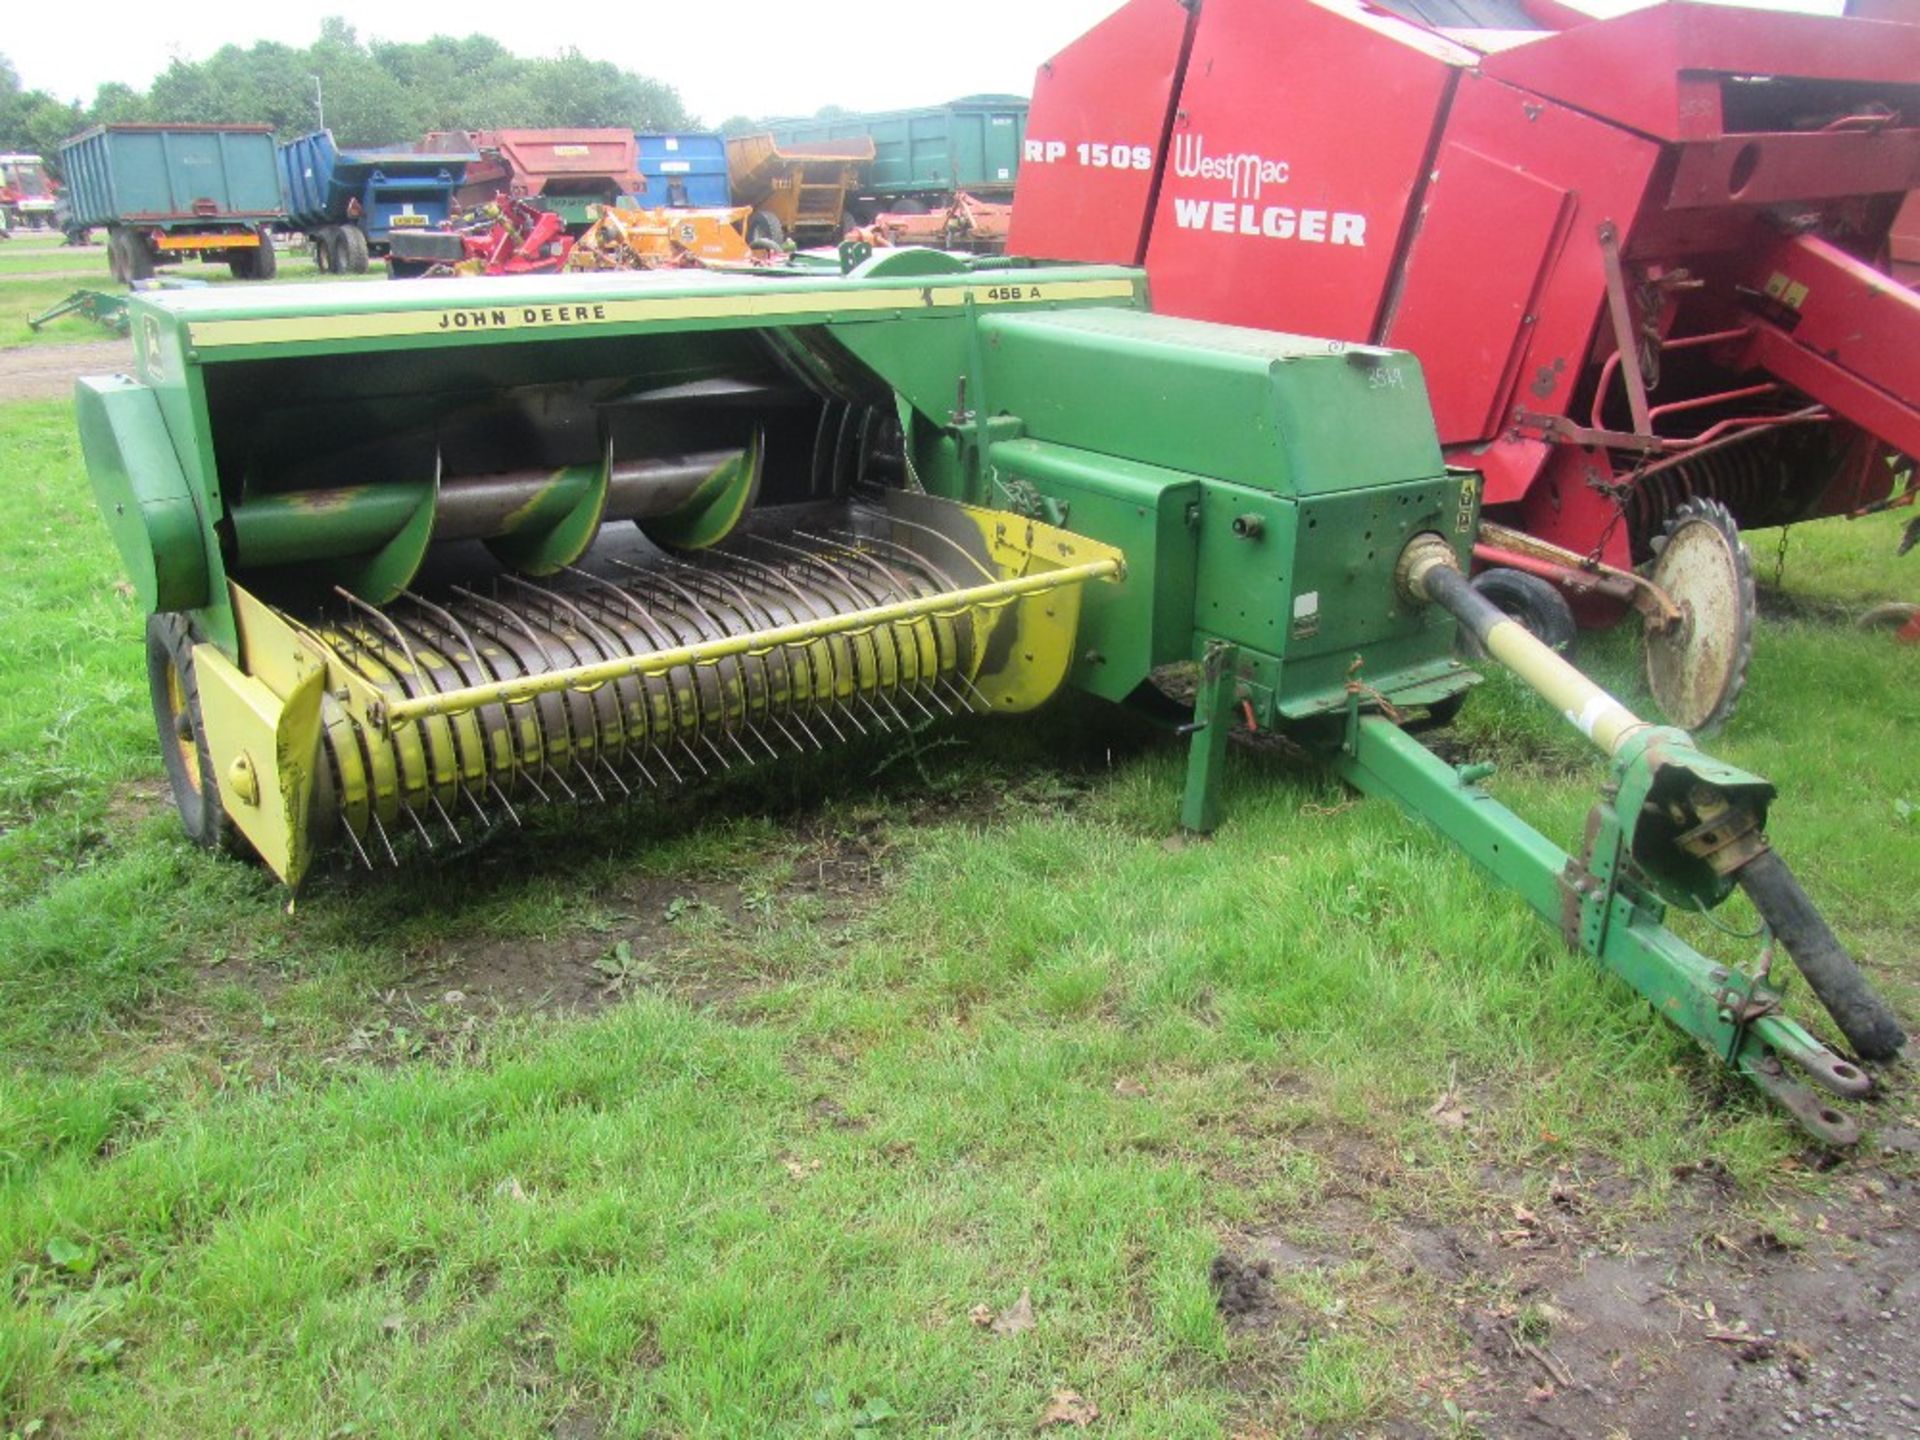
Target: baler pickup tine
[(446, 819), (586, 777), (505, 803), (765, 744), (385, 841), (420, 825), (661, 755), (366, 860), (614, 775)]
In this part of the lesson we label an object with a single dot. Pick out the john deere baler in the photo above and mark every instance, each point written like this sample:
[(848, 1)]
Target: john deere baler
[(418, 557)]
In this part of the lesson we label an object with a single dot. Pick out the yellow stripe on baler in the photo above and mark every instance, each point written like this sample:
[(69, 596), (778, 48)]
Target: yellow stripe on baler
[(587, 311)]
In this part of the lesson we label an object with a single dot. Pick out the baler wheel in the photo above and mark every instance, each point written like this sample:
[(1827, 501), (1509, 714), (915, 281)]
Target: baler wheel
[(183, 743), (1697, 667), (1537, 604)]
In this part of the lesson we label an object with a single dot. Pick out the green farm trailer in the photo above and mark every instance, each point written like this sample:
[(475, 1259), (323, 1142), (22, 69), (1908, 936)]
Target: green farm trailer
[(177, 192), (923, 157), (417, 558)]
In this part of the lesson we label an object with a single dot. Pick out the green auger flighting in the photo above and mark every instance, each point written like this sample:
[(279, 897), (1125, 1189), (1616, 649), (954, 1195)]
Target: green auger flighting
[(419, 556)]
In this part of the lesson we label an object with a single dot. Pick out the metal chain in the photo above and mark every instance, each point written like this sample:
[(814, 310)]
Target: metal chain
[(1780, 560)]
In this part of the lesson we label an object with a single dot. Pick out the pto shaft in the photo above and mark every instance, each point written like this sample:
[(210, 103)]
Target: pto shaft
[(1429, 572)]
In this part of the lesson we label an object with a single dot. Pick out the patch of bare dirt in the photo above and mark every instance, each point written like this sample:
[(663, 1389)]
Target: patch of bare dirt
[(47, 372), (1577, 1316), (1685, 1329)]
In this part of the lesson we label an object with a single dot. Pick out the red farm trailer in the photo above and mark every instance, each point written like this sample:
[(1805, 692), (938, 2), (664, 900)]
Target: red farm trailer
[(564, 171), (1642, 259)]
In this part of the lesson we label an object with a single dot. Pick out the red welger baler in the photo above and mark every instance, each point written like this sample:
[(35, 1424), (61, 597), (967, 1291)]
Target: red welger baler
[(1641, 259)]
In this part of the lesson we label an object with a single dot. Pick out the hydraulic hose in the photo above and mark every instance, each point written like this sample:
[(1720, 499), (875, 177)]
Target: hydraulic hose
[(1863, 1017)]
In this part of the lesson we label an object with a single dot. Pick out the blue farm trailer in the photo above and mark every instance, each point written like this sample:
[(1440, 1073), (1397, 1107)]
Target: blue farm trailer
[(349, 203), (684, 171)]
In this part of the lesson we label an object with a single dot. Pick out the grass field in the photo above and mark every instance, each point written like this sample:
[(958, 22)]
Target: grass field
[(719, 1117), (37, 272)]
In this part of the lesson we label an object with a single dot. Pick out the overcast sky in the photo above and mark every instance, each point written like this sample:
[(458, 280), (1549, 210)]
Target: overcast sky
[(757, 57)]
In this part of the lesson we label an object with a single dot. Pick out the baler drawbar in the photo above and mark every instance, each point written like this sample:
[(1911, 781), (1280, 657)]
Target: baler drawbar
[(419, 556)]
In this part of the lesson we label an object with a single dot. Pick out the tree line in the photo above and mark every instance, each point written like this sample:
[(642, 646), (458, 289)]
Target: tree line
[(374, 92)]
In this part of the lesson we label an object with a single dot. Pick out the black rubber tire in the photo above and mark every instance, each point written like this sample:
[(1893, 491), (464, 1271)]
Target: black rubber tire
[(353, 246), (338, 256), (196, 792), (117, 257), (322, 242), (765, 232), (1863, 1017), (1537, 604), (136, 260), (907, 205), (848, 222), (266, 264)]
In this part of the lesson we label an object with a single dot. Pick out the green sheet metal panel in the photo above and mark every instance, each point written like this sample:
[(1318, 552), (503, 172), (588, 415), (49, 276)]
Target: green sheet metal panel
[(1310, 583), (1255, 407), (1145, 621)]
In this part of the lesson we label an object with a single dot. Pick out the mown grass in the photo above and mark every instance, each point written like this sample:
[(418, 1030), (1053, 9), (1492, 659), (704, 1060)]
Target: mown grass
[(29, 256), (1051, 1052), (30, 286)]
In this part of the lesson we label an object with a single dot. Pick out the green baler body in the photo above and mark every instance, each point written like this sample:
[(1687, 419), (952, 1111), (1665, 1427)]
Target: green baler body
[(1151, 434), (1261, 491)]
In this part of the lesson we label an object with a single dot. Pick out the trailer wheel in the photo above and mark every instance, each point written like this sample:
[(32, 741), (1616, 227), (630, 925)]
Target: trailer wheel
[(265, 263), (322, 242), (907, 205), (139, 258), (183, 743), (128, 256), (353, 250), (1537, 604), (764, 231)]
